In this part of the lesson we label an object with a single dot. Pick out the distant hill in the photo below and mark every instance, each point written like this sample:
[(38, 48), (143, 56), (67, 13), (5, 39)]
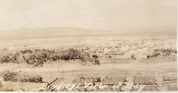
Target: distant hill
[(58, 32)]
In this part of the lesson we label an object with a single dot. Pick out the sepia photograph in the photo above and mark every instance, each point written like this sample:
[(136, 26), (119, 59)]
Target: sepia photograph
[(88, 45)]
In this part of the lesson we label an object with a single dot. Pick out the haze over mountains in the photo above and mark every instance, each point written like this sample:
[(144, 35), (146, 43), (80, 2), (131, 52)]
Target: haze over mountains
[(28, 19), (60, 32)]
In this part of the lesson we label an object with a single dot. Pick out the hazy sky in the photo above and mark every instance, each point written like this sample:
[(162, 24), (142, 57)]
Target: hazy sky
[(92, 14)]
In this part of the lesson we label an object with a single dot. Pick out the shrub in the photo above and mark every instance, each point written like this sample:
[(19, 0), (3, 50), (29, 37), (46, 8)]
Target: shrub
[(132, 56), (84, 59), (5, 59), (31, 78), (9, 75), (95, 56)]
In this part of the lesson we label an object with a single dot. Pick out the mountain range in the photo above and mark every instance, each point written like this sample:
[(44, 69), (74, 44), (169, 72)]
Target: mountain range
[(59, 32)]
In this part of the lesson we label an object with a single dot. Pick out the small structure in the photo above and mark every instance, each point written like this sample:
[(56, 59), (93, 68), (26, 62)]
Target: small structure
[(113, 79), (170, 77), (144, 80), (88, 78), (81, 79)]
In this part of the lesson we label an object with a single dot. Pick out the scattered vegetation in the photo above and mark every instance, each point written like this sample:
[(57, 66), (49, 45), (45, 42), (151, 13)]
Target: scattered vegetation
[(9, 75), (37, 57), (162, 52), (16, 77)]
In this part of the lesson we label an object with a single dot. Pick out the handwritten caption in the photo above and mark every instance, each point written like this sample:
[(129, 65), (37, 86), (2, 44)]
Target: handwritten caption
[(70, 87)]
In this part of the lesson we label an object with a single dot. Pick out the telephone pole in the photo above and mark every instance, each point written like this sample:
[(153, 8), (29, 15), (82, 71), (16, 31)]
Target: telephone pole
[(58, 66)]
